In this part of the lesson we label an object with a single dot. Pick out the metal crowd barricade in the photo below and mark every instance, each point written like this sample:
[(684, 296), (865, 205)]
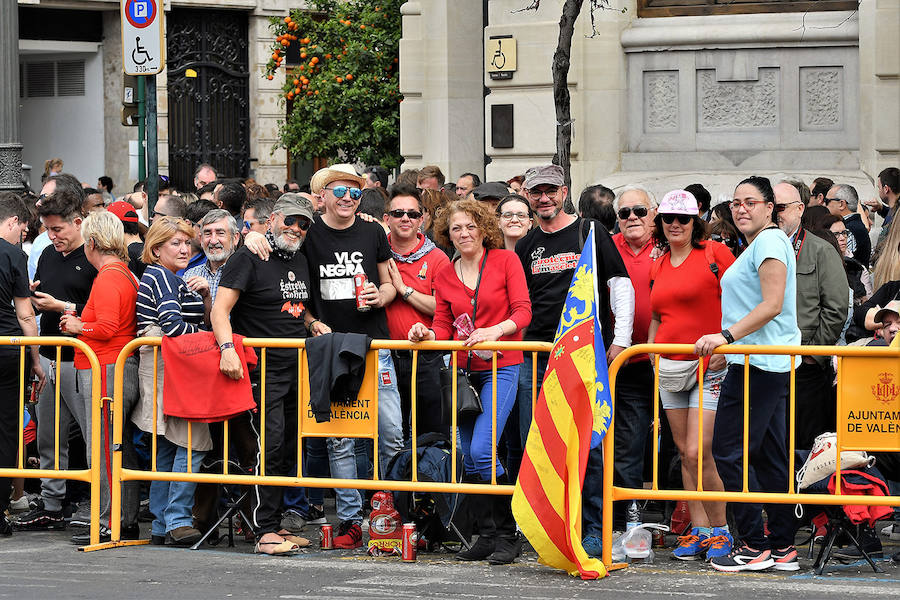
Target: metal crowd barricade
[(90, 475), (889, 357), (306, 427)]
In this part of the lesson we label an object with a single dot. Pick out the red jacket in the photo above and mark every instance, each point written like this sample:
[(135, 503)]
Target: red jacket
[(194, 388)]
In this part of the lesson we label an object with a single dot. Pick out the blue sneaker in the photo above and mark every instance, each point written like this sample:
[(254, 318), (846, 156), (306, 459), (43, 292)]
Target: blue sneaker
[(718, 544), (690, 546), (593, 545)]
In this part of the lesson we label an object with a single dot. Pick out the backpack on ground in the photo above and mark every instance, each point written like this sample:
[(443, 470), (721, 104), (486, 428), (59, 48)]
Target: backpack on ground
[(432, 513)]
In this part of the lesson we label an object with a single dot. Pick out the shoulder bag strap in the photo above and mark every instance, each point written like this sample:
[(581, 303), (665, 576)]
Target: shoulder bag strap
[(475, 300)]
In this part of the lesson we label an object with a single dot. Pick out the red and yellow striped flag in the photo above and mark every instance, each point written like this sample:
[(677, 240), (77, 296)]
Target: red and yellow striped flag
[(571, 417)]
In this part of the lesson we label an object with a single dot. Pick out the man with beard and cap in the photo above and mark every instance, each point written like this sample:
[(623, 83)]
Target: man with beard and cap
[(269, 298)]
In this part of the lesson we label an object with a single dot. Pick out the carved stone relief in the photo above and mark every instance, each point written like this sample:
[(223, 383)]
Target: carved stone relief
[(738, 105), (821, 98), (660, 101)]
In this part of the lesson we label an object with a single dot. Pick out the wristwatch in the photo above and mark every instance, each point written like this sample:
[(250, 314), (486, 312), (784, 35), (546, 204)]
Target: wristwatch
[(226, 346), (727, 335), (408, 292)]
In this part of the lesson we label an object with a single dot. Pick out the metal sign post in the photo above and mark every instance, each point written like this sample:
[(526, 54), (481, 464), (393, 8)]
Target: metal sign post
[(143, 54)]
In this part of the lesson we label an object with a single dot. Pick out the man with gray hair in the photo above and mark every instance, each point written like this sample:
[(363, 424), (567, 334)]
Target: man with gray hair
[(842, 201), (219, 236)]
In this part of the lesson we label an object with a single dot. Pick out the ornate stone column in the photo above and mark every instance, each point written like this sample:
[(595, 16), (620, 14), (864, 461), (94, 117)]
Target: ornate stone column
[(10, 145)]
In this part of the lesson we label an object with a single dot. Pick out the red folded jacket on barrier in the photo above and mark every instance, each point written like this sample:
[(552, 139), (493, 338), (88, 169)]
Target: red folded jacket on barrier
[(194, 388)]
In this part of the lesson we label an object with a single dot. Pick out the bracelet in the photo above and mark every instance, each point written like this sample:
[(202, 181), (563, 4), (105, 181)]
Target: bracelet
[(727, 335), (408, 292), (226, 346), (311, 323)]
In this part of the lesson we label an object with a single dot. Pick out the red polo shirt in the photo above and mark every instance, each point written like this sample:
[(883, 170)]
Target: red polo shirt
[(638, 267), (419, 275)]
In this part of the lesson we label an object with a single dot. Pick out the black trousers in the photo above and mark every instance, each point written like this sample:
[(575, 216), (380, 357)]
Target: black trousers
[(281, 442), (768, 463), (815, 403), (431, 415), (9, 418)]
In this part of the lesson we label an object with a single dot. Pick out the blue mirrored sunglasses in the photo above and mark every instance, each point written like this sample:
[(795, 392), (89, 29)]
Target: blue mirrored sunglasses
[(340, 190)]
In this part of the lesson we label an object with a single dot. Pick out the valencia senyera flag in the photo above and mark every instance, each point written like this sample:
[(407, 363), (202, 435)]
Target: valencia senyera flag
[(571, 416)]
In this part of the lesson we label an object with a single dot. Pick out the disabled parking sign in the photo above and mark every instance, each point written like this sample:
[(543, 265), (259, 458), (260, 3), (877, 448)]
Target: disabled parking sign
[(143, 50)]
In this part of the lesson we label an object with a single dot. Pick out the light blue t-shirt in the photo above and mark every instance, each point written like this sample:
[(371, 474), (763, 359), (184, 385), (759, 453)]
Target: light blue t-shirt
[(742, 292)]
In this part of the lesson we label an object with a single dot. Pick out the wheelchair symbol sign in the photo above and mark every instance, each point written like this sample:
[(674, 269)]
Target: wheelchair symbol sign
[(500, 56), (140, 13)]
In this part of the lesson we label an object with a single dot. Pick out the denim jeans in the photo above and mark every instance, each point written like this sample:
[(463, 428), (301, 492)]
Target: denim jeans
[(171, 502), (342, 460), (475, 434), (390, 418), (315, 459)]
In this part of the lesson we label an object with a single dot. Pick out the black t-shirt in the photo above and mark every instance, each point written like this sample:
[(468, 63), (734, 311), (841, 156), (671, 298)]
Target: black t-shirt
[(13, 284), (135, 264), (549, 260), (274, 295), (335, 256), (69, 279)]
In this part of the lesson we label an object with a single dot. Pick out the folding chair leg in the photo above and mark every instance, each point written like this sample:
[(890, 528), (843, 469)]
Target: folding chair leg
[(825, 552), (865, 554)]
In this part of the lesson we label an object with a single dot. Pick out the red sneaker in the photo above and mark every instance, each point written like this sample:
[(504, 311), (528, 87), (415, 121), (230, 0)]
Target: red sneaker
[(349, 536)]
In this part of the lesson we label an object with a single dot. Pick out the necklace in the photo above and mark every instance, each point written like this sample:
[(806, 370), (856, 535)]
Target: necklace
[(462, 278)]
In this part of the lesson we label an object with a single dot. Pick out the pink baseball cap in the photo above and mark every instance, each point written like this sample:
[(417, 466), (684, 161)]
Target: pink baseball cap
[(678, 202)]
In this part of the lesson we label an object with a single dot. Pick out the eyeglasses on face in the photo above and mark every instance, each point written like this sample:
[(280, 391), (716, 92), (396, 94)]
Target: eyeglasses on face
[(828, 200), (841, 234), (514, 216), (340, 191), (748, 204), (783, 207), (537, 194), (398, 213), (683, 219), (639, 211), (157, 214), (302, 222)]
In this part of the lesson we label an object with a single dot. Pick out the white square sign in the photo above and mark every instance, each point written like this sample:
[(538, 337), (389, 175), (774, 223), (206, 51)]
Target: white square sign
[(143, 48)]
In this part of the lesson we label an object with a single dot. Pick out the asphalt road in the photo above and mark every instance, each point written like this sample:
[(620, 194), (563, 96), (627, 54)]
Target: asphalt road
[(45, 565)]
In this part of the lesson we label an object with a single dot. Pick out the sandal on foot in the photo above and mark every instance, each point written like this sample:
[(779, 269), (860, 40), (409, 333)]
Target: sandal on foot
[(282, 548), (301, 542)]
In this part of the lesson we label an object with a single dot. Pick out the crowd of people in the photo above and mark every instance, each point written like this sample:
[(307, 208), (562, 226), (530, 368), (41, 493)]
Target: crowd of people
[(782, 264)]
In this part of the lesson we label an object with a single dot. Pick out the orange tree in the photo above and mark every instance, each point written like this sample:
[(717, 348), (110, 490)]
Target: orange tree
[(343, 91)]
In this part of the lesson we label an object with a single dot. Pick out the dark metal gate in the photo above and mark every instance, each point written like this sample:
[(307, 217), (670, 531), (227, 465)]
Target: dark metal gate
[(208, 92)]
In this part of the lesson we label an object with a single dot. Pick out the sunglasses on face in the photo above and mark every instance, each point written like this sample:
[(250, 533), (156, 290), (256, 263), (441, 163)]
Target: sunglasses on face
[(340, 191), (302, 222), (783, 207), (683, 219), (639, 211), (398, 213)]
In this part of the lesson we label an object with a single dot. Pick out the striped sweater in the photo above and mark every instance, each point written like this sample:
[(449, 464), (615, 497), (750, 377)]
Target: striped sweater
[(164, 299)]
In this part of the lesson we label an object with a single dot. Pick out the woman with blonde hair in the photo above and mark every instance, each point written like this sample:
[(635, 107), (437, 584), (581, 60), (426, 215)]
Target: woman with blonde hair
[(482, 297), (107, 323), (887, 265), (169, 305)]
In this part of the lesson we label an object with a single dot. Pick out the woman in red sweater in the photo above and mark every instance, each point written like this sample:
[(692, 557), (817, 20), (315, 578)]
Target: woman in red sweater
[(483, 298), (107, 323), (685, 300)]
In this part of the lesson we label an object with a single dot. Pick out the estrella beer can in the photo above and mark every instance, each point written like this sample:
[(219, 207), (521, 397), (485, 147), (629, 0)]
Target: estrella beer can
[(327, 537), (359, 283), (410, 541)]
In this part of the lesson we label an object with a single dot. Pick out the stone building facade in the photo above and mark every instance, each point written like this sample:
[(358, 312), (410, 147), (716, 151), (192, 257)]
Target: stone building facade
[(656, 99), (80, 41)]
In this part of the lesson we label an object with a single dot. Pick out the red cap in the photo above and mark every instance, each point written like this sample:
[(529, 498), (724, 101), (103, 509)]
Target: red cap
[(123, 210)]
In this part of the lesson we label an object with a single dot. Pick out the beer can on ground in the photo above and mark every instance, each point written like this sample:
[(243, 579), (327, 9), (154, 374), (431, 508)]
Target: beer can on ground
[(327, 537), (410, 541), (659, 538), (359, 283)]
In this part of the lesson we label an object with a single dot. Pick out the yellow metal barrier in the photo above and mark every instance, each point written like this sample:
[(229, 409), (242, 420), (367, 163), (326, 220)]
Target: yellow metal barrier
[(888, 358), (90, 475), (307, 427)]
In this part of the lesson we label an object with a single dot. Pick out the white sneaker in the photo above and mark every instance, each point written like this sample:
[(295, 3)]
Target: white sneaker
[(892, 531), (19, 506)]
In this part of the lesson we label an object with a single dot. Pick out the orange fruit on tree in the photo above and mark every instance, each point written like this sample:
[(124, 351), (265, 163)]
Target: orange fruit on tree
[(327, 56), (296, 82), (316, 92), (303, 55), (270, 77), (287, 19), (314, 59), (339, 79)]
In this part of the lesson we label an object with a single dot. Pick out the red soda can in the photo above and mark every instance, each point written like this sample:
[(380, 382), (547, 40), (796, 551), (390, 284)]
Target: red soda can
[(410, 541), (359, 283), (327, 537)]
